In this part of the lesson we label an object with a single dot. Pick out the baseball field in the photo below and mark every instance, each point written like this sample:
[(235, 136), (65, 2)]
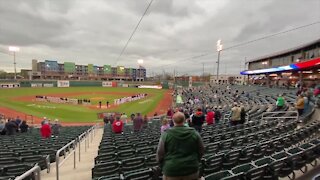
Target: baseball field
[(23, 102)]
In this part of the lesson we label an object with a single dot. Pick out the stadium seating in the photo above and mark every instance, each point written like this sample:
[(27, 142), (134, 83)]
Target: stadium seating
[(257, 149), (21, 152)]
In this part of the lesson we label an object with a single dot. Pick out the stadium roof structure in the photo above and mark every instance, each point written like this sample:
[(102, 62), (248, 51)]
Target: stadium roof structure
[(305, 65), (279, 53)]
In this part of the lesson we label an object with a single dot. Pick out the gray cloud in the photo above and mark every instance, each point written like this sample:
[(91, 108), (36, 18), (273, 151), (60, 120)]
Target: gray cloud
[(170, 34)]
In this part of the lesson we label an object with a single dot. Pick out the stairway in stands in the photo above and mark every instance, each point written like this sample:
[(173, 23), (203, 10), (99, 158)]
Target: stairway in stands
[(83, 168)]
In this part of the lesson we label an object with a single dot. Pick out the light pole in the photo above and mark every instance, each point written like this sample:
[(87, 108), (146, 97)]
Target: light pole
[(140, 62), (219, 49), (14, 49)]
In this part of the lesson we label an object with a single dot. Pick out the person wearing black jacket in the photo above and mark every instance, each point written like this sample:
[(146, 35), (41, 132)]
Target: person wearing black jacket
[(217, 115), (24, 127), (198, 119)]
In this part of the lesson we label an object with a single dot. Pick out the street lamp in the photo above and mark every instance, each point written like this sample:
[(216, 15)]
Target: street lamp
[(14, 49), (140, 62), (219, 49)]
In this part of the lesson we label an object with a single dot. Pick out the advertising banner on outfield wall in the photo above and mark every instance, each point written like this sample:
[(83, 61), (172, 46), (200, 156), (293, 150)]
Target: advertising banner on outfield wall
[(63, 84), (109, 84), (9, 85), (47, 85), (36, 84)]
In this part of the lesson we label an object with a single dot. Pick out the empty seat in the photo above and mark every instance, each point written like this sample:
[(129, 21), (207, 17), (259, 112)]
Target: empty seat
[(106, 169)]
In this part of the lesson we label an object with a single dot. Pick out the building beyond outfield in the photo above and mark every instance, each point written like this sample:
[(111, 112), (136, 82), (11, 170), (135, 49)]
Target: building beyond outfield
[(70, 71)]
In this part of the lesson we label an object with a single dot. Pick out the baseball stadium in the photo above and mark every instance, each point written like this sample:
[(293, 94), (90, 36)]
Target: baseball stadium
[(133, 90)]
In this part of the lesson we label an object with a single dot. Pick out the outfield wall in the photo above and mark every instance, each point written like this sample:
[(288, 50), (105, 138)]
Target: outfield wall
[(67, 83)]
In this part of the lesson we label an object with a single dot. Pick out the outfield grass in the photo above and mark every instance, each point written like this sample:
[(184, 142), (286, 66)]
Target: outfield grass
[(77, 113)]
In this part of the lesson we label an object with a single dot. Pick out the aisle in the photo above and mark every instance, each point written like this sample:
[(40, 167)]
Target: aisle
[(83, 168)]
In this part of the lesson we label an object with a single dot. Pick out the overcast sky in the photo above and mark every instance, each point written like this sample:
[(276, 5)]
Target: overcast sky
[(172, 32)]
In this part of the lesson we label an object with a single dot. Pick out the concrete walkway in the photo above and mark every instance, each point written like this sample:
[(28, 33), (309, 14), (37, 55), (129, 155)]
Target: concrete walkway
[(83, 168)]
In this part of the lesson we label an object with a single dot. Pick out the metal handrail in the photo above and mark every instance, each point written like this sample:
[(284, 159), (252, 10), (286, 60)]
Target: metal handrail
[(58, 163), (296, 116), (35, 171)]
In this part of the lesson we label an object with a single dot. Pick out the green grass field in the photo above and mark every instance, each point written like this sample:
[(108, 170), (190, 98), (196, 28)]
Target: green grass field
[(78, 113)]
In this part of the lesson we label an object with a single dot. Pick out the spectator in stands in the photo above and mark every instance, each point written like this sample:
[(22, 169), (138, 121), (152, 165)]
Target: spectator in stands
[(45, 130), (18, 121), (165, 125), (106, 120), (145, 122), (117, 126), (124, 118), (235, 115), (132, 116), (56, 128), (111, 118), (210, 117), (280, 102), (198, 119), (176, 162), (137, 123), (187, 116), (2, 127), (170, 112), (300, 104), (24, 127), (217, 115), (43, 121), (11, 127), (242, 115)]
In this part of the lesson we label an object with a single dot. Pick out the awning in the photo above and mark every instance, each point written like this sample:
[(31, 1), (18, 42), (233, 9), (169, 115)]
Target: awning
[(292, 67)]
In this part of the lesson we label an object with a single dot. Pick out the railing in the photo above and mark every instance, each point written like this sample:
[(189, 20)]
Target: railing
[(86, 136), (69, 146), (288, 115), (35, 172)]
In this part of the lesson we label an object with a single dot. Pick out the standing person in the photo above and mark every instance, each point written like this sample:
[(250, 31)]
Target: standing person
[(300, 104), (210, 117), (45, 130), (235, 115), (107, 104), (2, 127), (124, 118), (198, 119), (165, 125), (145, 122), (242, 115), (24, 127), (132, 116), (56, 128), (117, 126), (100, 104), (106, 120), (111, 118), (180, 150), (11, 127), (280, 102), (18, 121), (137, 123), (217, 115), (169, 113), (43, 121)]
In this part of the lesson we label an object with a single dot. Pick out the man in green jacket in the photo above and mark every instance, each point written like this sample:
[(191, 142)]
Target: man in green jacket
[(179, 151)]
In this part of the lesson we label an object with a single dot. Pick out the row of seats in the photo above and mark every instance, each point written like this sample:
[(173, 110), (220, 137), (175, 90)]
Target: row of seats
[(21, 152)]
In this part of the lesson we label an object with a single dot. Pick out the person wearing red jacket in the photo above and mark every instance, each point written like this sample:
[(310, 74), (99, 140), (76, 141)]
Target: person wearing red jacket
[(210, 117), (117, 125), (45, 130)]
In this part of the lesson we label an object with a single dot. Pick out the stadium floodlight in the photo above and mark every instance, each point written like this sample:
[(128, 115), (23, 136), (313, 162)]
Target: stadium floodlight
[(14, 49), (219, 49), (140, 61)]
